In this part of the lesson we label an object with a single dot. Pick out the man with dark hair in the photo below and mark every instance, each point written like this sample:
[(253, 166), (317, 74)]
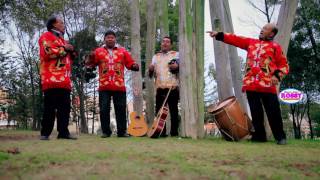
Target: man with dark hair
[(55, 72), (165, 66), (111, 60), (265, 68)]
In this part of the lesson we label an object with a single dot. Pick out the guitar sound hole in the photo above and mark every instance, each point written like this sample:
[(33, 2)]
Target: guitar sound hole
[(137, 117)]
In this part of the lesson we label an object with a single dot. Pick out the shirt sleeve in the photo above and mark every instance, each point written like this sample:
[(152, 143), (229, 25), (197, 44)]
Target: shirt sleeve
[(50, 50), (128, 61), (153, 62), (235, 40), (177, 58), (281, 63)]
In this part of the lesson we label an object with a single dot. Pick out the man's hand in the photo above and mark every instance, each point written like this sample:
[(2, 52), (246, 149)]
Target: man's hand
[(212, 33), (135, 67), (173, 66), (274, 80), (150, 70), (68, 47)]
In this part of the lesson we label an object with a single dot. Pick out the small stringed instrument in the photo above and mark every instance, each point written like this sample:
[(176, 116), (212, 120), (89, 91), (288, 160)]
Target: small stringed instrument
[(138, 126), (159, 121)]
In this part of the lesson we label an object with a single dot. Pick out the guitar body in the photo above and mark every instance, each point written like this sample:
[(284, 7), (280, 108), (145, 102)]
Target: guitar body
[(138, 126), (158, 123)]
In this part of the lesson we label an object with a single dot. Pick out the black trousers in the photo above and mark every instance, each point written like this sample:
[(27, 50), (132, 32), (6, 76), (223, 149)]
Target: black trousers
[(119, 102), (271, 105), (173, 108), (56, 103)]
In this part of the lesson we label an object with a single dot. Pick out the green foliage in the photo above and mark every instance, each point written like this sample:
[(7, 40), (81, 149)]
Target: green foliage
[(173, 20), (303, 55), (315, 116)]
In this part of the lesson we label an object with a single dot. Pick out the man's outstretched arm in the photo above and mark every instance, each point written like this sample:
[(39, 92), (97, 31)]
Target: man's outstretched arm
[(232, 39)]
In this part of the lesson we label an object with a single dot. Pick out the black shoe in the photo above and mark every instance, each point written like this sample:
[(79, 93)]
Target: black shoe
[(164, 135), (105, 135), (124, 135), (282, 142), (45, 138), (69, 137)]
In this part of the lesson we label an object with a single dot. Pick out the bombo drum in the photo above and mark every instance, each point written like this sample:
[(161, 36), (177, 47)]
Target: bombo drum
[(231, 120)]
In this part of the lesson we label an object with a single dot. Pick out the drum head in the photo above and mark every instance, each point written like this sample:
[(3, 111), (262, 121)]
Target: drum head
[(223, 104)]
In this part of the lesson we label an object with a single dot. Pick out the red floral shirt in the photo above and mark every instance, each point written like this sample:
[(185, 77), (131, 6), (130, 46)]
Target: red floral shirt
[(264, 60), (55, 62), (111, 64)]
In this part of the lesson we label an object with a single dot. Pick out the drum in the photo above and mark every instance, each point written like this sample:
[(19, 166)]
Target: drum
[(231, 120)]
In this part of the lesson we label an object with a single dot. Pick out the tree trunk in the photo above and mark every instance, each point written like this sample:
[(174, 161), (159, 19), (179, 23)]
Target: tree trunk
[(163, 17), (94, 105), (150, 48), (191, 42), (83, 121), (285, 22), (135, 50), (309, 118), (234, 61), (223, 70)]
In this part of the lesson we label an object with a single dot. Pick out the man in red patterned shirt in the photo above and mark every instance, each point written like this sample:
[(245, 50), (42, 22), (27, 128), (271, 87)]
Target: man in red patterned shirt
[(111, 60), (55, 72), (265, 67)]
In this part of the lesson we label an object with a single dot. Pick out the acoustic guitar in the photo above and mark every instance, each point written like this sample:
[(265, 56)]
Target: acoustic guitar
[(138, 126), (159, 121)]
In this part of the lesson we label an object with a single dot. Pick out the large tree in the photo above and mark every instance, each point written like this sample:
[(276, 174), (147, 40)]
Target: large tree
[(191, 42), (222, 62), (150, 49), (135, 50)]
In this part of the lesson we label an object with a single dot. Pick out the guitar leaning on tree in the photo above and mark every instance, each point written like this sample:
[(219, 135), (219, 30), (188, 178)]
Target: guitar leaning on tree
[(159, 121), (138, 126)]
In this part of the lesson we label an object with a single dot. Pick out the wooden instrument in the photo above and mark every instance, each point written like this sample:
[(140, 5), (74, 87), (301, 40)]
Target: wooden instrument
[(159, 121), (138, 126), (231, 120)]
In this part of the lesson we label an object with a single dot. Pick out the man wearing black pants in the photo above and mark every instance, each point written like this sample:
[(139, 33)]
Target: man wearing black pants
[(265, 67), (271, 104), (165, 66), (56, 99), (119, 101), (112, 59), (55, 71)]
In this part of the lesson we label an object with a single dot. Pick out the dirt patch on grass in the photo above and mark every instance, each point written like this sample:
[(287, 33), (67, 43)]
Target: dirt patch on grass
[(158, 160), (236, 161), (238, 174), (159, 172), (306, 168), (18, 137)]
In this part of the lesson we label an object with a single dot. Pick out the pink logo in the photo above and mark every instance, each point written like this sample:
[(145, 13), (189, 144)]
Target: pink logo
[(291, 96)]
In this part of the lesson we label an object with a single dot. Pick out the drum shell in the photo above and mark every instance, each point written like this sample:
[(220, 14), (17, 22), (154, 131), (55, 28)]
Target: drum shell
[(233, 123)]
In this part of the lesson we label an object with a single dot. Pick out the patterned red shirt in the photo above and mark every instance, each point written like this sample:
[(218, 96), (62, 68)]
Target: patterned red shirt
[(55, 62), (111, 64), (264, 59)]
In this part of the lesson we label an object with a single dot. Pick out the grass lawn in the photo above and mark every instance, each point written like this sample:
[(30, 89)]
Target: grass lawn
[(91, 157)]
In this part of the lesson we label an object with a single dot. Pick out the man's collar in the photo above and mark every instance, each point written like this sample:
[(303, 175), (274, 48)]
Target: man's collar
[(116, 46), (57, 33), (165, 52)]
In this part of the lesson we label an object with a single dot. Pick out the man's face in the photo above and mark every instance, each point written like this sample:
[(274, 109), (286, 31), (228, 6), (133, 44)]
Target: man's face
[(59, 25), (110, 40), (166, 44), (266, 32)]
